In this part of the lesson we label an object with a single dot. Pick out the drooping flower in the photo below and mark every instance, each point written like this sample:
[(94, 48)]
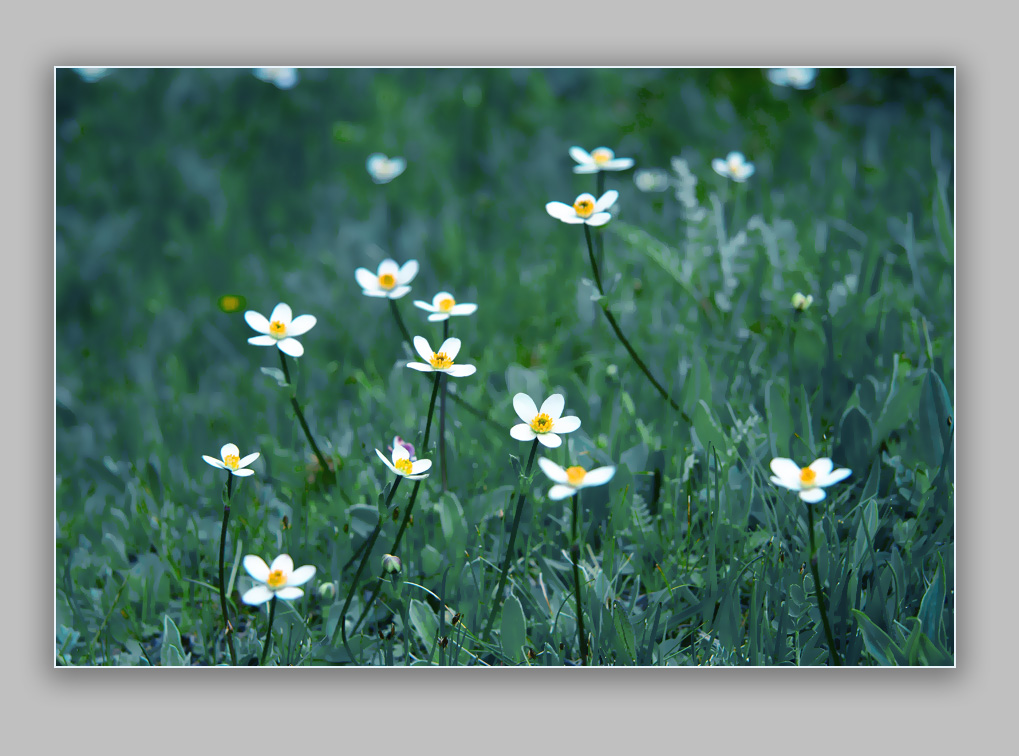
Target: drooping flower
[(809, 481), (585, 209), (443, 306), (651, 180), (390, 281), (735, 166), (801, 302), (404, 466), (92, 74), (569, 480), (280, 329), (383, 169), (797, 78), (230, 459), (279, 579), (543, 424), (284, 78), (600, 159), (441, 361)]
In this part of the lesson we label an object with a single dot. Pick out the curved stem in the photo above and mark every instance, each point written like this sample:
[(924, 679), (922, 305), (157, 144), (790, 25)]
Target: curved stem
[(575, 554), (431, 410), (442, 414), (399, 321), (300, 418), (268, 631), (504, 570), (817, 590), (222, 581)]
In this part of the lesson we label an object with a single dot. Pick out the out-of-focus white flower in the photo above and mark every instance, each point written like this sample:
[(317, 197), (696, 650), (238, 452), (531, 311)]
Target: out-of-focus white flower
[(92, 74), (230, 459), (284, 78), (441, 361), (279, 580), (801, 302), (651, 180), (809, 481), (735, 166), (569, 480), (402, 464), (383, 169), (280, 329), (599, 159), (443, 306), (585, 209), (543, 424), (391, 280), (797, 78)]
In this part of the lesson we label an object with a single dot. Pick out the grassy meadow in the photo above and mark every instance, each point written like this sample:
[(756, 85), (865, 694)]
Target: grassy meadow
[(185, 198)]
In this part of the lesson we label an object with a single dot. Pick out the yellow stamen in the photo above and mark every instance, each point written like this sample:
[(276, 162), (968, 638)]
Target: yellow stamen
[(441, 361), (583, 207), (387, 280), (446, 304), (276, 579), (807, 476), (601, 155), (278, 329), (231, 461), (542, 423), (405, 466), (575, 475)]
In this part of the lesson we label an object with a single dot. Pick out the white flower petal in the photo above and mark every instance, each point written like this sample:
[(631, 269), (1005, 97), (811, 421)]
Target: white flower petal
[(841, 474), (422, 348), (523, 432), (438, 317), (229, 449), (264, 340), (293, 347), (366, 279), (420, 466), (282, 562), (598, 476), (380, 293), (560, 210), (559, 491), (747, 172), (249, 459), (582, 156), (282, 313), (399, 292), (822, 466), (463, 309), (566, 424), (390, 267), (424, 306), (619, 164), (554, 472), (575, 220), (438, 299), (289, 593), (553, 406), (257, 595), (792, 486), (214, 462), (720, 166), (389, 464), (588, 168), (242, 473), (255, 566), (407, 272), (301, 575), (461, 371), (421, 367), (787, 470), (451, 347), (812, 495), (301, 325), (257, 321), (735, 157), (606, 201), (375, 162), (400, 452), (551, 440), (525, 407), (599, 219)]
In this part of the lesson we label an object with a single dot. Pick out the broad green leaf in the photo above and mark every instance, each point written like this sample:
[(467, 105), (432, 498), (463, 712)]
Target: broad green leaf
[(933, 603), (424, 622), (172, 653), (513, 633), (709, 432), (878, 642)]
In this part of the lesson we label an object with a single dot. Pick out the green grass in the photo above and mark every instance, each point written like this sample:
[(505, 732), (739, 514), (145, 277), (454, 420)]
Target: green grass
[(175, 188)]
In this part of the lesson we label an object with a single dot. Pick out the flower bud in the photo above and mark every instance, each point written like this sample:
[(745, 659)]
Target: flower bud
[(327, 591), (801, 302), (391, 564)]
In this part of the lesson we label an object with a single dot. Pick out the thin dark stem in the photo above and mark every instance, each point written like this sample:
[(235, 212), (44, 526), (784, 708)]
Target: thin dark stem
[(268, 631), (792, 342), (442, 415), (504, 570), (300, 418), (619, 332), (431, 410), (600, 184), (817, 590), (575, 554), (364, 561), (399, 321), (222, 580)]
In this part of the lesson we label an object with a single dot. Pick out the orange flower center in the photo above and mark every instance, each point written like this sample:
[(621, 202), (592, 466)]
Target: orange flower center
[(231, 461), (278, 329), (602, 155), (387, 280), (404, 466), (441, 361), (542, 423), (276, 579), (583, 207), (446, 304), (807, 476), (575, 475)]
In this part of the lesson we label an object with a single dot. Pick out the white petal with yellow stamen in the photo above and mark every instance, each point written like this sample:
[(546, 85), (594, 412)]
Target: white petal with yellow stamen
[(441, 361), (280, 328), (279, 579), (403, 465), (808, 481), (390, 281), (443, 306), (585, 209), (544, 424), (230, 459), (569, 480), (598, 159)]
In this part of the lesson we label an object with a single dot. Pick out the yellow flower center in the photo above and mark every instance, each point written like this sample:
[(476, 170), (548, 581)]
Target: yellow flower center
[(575, 475), (446, 304), (542, 423), (602, 155), (583, 207), (441, 361), (387, 280), (807, 477), (735, 167), (404, 466), (276, 579), (278, 329), (231, 461)]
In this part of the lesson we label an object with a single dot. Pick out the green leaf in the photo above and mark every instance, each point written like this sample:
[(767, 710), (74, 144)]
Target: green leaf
[(780, 420), (878, 642), (624, 634), (277, 375), (854, 440), (932, 604), (424, 622), (635, 458), (513, 629), (172, 653), (363, 519), (451, 518), (935, 419), (709, 432)]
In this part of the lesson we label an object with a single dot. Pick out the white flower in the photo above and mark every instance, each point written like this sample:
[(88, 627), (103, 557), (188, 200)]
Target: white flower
[(443, 306), (230, 459), (798, 78), (284, 78), (402, 464), (542, 424), (280, 329), (651, 180), (801, 302), (383, 169), (397, 441), (571, 479), (735, 166), (279, 580), (92, 74), (809, 481), (600, 159), (390, 281), (585, 209), (441, 361)]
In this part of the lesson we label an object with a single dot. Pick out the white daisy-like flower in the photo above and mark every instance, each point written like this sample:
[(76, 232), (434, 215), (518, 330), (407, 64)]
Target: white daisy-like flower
[(543, 424), (801, 302), (441, 361), (735, 166), (585, 209), (797, 78), (600, 159), (384, 169), (230, 459), (280, 329), (403, 465), (279, 579), (391, 280), (569, 480), (92, 74), (651, 180), (809, 481), (443, 306), (284, 78)]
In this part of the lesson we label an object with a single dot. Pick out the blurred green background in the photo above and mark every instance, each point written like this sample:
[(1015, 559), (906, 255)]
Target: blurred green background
[(177, 187)]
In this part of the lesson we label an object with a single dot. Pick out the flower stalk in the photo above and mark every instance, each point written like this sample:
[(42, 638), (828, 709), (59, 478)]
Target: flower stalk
[(222, 581), (836, 659), (442, 416), (326, 470), (575, 557), (268, 632)]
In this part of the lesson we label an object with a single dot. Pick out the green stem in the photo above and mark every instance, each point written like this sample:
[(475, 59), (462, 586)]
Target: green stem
[(300, 418), (600, 190), (364, 561), (268, 631), (504, 570), (792, 343), (575, 554), (222, 581), (399, 321), (619, 332), (817, 590), (442, 415)]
